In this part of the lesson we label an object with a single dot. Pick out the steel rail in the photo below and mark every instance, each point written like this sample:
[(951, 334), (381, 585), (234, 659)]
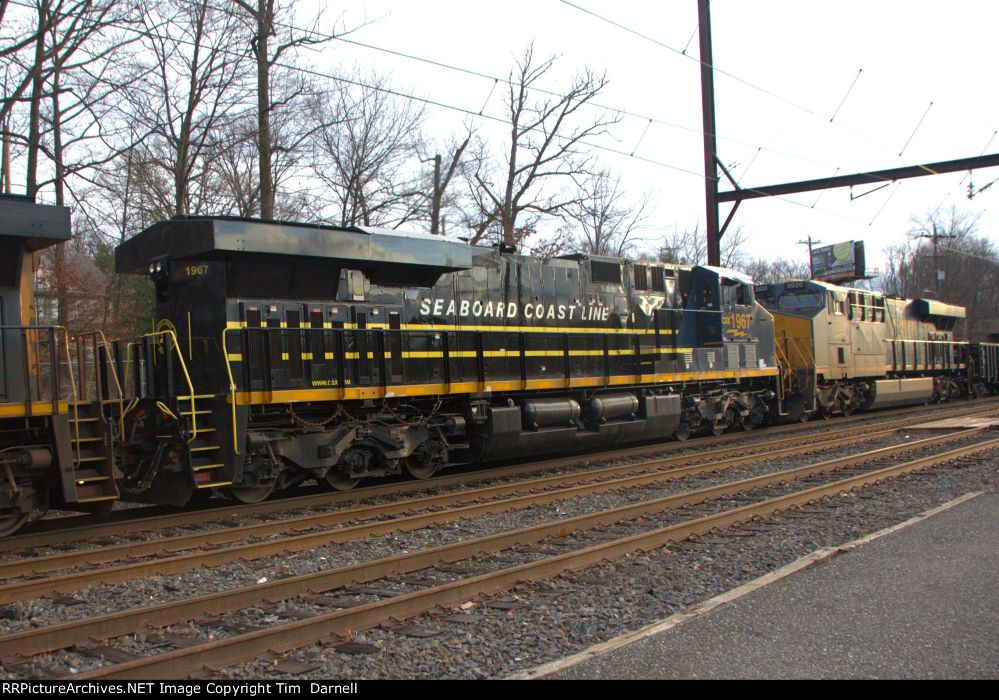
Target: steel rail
[(40, 640), (30, 588), (292, 635), (143, 548), (159, 521)]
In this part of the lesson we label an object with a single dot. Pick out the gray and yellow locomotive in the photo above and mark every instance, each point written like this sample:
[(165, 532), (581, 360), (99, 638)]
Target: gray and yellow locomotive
[(288, 352), (848, 349)]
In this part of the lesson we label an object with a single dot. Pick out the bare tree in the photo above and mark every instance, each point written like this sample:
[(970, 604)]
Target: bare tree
[(608, 224), (552, 245), (20, 33), (969, 262), (59, 31), (367, 153), (764, 271), (195, 87), (69, 71), (544, 153), (689, 247), (275, 37), (444, 173), (114, 206)]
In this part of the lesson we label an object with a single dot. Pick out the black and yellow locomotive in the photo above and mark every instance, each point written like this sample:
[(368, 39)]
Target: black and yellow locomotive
[(288, 352)]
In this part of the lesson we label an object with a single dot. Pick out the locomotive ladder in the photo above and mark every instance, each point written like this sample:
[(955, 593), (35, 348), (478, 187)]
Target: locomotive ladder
[(94, 429), (205, 452), (784, 365)]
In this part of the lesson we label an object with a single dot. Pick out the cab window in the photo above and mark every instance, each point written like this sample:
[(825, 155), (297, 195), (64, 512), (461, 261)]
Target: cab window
[(744, 295)]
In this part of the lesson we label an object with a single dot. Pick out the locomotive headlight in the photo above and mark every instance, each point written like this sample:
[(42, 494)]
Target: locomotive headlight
[(159, 266), (152, 268)]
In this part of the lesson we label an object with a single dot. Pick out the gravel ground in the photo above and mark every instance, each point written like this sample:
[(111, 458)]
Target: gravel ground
[(562, 616), (753, 441), (558, 617), (157, 589)]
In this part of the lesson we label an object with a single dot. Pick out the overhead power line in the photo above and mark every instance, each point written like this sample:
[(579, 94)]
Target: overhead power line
[(716, 69), (403, 95), (497, 79), (477, 115)]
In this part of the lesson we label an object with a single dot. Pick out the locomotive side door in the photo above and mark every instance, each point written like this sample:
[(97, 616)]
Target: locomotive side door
[(378, 344), (839, 360)]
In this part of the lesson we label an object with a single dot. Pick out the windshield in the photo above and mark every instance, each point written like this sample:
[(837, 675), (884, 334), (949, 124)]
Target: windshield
[(792, 301)]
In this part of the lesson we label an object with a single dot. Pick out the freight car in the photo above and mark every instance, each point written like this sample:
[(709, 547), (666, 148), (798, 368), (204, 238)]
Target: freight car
[(848, 349), (55, 434), (287, 352)]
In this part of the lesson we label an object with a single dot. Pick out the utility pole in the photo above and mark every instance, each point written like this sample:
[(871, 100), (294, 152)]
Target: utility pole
[(710, 140), (937, 272), (811, 267), (435, 206), (436, 195)]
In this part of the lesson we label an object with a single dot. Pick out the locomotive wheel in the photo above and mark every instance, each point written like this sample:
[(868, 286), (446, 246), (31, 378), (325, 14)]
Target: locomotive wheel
[(340, 482), (682, 435), (420, 471), (12, 522), (250, 494), (426, 459)]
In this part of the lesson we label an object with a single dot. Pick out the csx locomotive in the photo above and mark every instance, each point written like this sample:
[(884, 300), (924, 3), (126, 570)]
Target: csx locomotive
[(56, 442), (846, 349)]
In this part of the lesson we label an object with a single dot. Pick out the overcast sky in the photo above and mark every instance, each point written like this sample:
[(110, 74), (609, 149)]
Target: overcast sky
[(794, 62)]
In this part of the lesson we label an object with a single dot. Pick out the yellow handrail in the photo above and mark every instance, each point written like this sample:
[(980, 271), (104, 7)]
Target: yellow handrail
[(784, 366), (72, 386), (101, 340), (232, 389), (187, 378)]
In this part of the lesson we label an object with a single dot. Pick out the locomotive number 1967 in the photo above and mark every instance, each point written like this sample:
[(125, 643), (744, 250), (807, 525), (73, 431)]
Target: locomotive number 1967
[(737, 321), (196, 270)]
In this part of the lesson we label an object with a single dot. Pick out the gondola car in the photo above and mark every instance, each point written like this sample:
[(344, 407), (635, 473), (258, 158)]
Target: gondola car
[(288, 352), (55, 439)]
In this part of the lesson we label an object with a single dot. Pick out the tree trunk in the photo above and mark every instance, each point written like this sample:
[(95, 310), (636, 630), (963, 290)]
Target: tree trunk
[(34, 116), (5, 158), (59, 262)]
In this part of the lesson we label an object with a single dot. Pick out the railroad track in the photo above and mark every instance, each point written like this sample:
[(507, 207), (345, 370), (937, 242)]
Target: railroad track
[(301, 632), (356, 523), (81, 528)]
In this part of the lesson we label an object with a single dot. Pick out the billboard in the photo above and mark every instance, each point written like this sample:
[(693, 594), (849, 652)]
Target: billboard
[(839, 262)]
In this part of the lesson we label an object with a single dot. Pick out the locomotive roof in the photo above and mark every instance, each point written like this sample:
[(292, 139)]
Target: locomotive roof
[(729, 273), (214, 237), (925, 309), (39, 225)]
